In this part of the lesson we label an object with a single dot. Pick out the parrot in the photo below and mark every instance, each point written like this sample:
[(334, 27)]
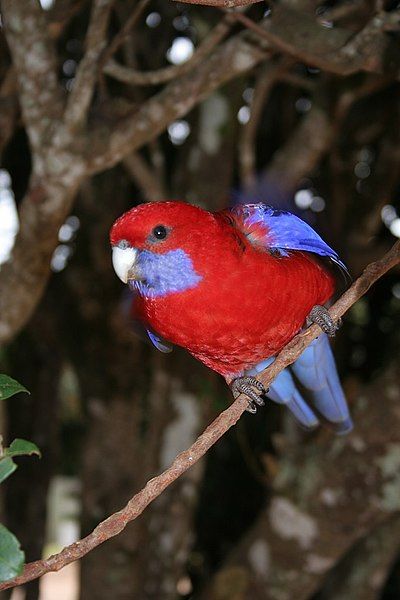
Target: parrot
[(233, 287)]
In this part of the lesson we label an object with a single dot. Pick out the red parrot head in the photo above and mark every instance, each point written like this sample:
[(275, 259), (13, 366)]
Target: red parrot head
[(153, 246)]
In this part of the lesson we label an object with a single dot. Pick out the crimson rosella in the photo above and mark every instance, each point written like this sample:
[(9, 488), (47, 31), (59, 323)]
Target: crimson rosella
[(233, 287)]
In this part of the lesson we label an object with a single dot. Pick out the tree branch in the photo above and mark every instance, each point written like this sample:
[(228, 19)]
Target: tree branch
[(320, 508), (234, 58), (302, 150), (61, 165), (247, 142), (221, 3), (337, 50), (123, 33), (35, 64), (82, 91), (135, 77), (119, 520), (145, 177)]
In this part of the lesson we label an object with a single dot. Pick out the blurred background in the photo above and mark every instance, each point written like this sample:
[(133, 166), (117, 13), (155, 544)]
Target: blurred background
[(107, 104)]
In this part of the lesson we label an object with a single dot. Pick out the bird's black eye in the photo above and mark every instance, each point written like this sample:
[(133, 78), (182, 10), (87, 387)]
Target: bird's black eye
[(160, 232), (123, 244)]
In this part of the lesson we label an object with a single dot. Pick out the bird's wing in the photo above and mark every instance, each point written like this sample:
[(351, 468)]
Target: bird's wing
[(159, 342), (283, 390), (316, 370), (280, 231)]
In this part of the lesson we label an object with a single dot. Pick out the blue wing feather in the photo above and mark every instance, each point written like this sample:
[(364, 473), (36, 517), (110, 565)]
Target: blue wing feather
[(281, 231), (161, 344), (138, 327)]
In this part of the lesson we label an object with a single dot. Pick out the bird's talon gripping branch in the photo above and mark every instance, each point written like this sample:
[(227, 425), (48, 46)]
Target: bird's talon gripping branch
[(245, 385), (320, 315)]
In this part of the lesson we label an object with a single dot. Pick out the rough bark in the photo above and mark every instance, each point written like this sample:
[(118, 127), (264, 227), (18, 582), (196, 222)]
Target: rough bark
[(62, 156), (363, 571), (328, 495), (60, 165)]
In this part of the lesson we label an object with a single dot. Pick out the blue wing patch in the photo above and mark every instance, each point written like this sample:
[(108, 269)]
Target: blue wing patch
[(161, 344), (138, 327), (281, 231)]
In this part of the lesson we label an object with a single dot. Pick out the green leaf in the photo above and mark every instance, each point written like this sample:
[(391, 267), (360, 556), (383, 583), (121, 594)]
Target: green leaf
[(21, 447), (11, 556), (9, 387), (7, 466)]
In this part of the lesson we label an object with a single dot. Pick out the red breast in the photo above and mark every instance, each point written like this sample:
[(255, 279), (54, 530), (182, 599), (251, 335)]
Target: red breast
[(248, 305)]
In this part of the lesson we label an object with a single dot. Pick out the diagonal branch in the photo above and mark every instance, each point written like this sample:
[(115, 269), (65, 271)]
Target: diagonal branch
[(163, 75), (34, 60), (335, 50), (119, 520), (266, 80), (233, 58), (123, 33), (82, 91), (145, 177), (222, 3)]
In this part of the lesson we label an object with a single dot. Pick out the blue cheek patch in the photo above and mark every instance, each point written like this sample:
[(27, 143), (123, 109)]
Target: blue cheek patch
[(164, 274)]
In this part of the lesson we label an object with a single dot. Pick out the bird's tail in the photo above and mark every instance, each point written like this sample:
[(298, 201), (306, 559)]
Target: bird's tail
[(283, 391), (316, 370)]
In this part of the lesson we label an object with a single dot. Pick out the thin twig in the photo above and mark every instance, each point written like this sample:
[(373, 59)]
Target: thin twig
[(269, 75), (341, 52), (158, 76), (123, 33), (85, 80), (145, 177), (221, 3), (119, 520), (299, 81)]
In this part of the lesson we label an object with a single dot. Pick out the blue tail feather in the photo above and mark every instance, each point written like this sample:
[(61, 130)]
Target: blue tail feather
[(316, 370), (283, 391)]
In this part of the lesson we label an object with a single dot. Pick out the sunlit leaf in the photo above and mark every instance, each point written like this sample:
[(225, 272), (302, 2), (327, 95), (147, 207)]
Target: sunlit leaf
[(7, 466), (21, 447), (9, 387), (11, 556)]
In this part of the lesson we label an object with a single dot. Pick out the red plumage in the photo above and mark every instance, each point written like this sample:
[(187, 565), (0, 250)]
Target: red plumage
[(249, 303)]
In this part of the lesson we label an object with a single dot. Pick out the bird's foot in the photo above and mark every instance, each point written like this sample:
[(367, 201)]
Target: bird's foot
[(245, 385), (320, 315)]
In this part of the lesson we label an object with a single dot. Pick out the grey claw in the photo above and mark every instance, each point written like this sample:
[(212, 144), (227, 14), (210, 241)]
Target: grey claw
[(320, 315), (245, 385)]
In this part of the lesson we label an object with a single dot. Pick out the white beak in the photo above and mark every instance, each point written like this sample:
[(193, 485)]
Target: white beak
[(123, 261)]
